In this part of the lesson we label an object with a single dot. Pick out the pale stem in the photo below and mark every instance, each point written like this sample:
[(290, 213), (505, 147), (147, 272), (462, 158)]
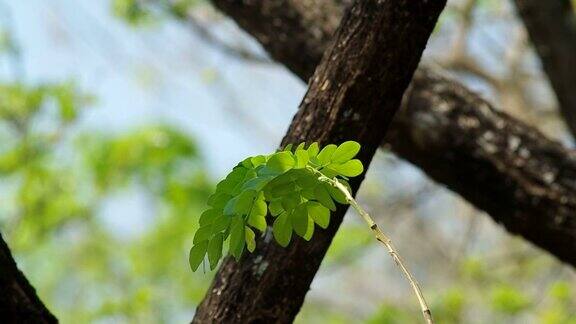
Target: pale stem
[(382, 238)]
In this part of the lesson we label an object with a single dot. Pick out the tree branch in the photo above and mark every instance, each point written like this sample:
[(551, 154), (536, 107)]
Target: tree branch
[(18, 300), (377, 46), (551, 26), (501, 165)]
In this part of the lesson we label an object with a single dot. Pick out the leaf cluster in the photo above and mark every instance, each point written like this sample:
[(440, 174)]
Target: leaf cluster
[(287, 185)]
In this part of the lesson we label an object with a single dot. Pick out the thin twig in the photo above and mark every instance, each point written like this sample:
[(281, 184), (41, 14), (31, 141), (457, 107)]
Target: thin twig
[(382, 238)]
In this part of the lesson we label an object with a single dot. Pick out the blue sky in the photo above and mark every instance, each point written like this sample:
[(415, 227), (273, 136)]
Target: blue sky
[(155, 74)]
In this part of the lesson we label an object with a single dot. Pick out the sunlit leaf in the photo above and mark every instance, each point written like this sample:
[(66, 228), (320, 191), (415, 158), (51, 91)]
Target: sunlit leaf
[(345, 152), (282, 229), (250, 239)]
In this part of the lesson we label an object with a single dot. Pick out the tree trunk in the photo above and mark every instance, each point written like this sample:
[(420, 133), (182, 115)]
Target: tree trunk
[(353, 95), (18, 300), (521, 178), (552, 28)]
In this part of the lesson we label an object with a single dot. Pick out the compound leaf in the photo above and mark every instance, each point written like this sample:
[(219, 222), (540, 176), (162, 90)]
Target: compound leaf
[(281, 184)]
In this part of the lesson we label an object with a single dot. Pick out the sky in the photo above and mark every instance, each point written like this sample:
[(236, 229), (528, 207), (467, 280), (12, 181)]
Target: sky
[(155, 74)]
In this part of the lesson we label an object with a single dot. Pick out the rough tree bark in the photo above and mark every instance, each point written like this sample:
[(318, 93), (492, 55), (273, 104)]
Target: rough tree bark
[(524, 180), (552, 28), (18, 300), (353, 95)]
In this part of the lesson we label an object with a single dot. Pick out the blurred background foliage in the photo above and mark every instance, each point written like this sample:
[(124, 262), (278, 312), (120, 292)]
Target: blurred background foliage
[(100, 218)]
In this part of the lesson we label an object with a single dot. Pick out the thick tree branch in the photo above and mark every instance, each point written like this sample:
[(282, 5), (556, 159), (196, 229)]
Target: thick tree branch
[(353, 95), (18, 300), (552, 28), (521, 178)]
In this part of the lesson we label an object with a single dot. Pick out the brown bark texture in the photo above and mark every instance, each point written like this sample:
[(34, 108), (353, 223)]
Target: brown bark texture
[(551, 26), (353, 95), (18, 300), (521, 178)]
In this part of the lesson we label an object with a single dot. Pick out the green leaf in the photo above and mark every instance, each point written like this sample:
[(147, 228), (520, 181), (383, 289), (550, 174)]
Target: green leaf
[(313, 150), (240, 205), (237, 237), (336, 194), (247, 163), (280, 184), (329, 172), (197, 253), (345, 152), (219, 200), (351, 168), (305, 179), (276, 207), (288, 147), (257, 184), (203, 234), (300, 220), (215, 250), (310, 230), (232, 180), (250, 239), (244, 202), (323, 197), (230, 207), (282, 229), (264, 170), (257, 217), (220, 223), (209, 215), (319, 213), (250, 174), (283, 190), (258, 160), (281, 162), (325, 156), (308, 193), (290, 201), (301, 159)]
